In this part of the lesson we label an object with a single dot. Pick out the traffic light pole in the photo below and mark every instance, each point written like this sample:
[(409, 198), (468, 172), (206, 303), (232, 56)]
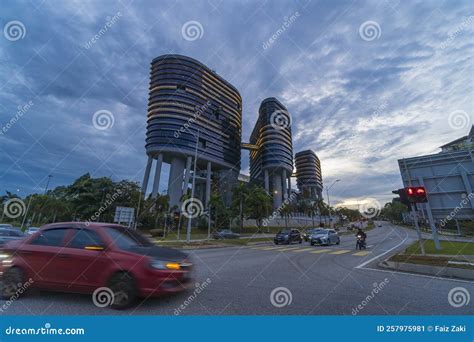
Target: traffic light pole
[(417, 227)]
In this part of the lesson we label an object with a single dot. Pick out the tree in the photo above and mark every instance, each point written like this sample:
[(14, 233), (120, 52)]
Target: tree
[(219, 213), (240, 195), (286, 211), (393, 211), (260, 205)]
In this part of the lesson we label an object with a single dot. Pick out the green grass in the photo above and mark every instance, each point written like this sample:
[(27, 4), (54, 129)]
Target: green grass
[(211, 243), (447, 248), (450, 251), (429, 260)]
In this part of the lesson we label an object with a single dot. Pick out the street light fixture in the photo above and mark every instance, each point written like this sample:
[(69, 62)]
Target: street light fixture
[(329, 203)]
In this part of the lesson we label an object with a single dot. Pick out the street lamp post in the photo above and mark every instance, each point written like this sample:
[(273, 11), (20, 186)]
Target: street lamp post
[(188, 231), (329, 203)]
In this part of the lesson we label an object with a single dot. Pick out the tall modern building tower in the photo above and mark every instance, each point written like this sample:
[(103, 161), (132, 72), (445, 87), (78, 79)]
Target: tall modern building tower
[(190, 107), (308, 175), (271, 161)]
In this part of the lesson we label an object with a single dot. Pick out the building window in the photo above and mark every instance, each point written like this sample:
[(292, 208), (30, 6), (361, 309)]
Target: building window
[(202, 143), (181, 87)]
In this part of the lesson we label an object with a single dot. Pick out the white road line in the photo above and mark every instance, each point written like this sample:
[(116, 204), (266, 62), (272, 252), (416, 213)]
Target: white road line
[(382, 254)]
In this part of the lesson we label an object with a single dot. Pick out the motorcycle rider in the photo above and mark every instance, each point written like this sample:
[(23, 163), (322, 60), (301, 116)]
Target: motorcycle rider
[(363, 237)]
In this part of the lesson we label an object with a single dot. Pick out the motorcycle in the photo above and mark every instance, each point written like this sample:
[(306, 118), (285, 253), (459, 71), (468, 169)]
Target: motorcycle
[(360, 242)]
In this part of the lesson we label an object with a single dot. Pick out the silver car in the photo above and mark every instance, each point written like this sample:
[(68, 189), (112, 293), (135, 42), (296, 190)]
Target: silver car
[(8, 234), (325, 237)]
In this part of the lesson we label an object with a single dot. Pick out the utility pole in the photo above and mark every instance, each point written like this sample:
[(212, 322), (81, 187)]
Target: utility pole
[(418, 232), (47, 184), (188, 231), (329, 203)]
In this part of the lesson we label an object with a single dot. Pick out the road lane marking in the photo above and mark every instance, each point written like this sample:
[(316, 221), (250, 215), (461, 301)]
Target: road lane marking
[(363, 253), (382, 254), (303, 250), (288, 249), (320, 251), (342, 251), (269, 248)]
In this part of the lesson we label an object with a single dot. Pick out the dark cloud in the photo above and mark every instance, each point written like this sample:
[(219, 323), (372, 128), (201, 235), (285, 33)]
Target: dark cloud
[(359, 104)]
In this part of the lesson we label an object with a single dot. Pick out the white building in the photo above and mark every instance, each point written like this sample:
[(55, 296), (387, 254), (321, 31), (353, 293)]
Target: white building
[(448, 177)]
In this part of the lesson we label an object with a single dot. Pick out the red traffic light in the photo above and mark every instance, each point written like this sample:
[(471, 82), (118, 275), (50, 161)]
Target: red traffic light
[(416, 194)]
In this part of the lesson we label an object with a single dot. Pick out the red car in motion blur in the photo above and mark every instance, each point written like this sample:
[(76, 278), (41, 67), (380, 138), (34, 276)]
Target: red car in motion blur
[(82, 257)]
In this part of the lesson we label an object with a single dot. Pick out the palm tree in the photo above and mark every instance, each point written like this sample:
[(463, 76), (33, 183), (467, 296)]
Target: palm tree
[(240, 194), (286, 212), (260, 204)]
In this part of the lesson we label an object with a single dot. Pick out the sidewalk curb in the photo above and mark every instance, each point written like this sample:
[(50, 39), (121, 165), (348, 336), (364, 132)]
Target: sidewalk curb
[(439, 271)]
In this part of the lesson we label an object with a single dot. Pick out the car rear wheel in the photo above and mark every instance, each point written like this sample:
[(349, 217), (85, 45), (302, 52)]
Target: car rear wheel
[(338, 242), (12, 281), (312, 243), (124, 290)]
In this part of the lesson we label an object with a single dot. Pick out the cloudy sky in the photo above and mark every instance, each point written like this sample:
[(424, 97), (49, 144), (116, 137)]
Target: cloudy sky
[(366, 82)]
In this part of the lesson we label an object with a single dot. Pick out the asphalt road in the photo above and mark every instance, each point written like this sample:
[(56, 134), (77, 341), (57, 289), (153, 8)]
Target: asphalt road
[(320, 280)]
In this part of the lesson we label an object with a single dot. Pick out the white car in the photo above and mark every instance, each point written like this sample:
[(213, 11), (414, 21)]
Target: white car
[(6, 226), (32, 230)]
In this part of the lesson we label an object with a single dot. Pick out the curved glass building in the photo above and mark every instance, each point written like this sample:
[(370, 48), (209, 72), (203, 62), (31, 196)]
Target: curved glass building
[(191, 106), (271, 162), (308, 175)]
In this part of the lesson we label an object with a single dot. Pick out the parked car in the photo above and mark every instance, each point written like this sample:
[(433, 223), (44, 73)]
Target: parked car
[(5, 225), (325, 237), (82, 257), (32, 230), (9, 234), (288, 236), (225, 234), (307, 235)]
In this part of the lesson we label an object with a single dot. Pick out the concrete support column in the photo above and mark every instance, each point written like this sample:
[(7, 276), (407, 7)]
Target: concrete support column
[(147, 175), (467, 185), (267, 181), (285, 189), (186, 176), (277, 191), (289, 186), (208, 183), (175, 182), (156, 182)]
